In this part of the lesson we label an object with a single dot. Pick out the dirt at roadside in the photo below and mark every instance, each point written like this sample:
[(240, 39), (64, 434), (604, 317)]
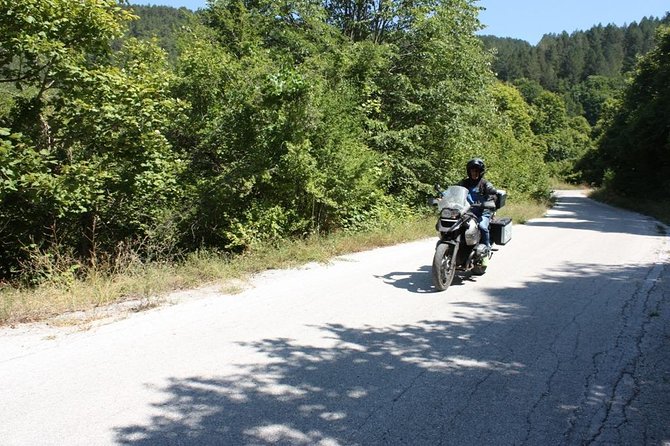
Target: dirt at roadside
[(19, 339)]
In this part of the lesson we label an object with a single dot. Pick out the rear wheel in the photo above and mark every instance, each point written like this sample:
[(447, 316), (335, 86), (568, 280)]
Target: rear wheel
[(444, 266)]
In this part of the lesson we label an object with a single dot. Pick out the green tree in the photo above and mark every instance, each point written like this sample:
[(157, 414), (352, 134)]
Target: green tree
[(516, 159), (566, 147), (162, 23), (44, 41), (120, 168), (85, 137), (432, 99), (514, 109), (549, 113), (635, 145), (560, 61), (564, 139), (279, 146), (594, 92)]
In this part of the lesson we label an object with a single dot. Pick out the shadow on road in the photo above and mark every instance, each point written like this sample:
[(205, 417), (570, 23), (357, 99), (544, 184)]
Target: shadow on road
[(417, 384), (421, 281), (585, 214), (418, 281)]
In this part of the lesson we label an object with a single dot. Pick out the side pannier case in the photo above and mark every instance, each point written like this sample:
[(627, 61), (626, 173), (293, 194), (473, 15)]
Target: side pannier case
[(501, 230)]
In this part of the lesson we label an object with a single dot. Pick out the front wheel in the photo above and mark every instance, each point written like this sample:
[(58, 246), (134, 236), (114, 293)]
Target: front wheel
[(444, 266)]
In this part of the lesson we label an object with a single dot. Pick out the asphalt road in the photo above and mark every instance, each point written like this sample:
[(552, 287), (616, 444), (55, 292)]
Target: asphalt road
[(564, 341)]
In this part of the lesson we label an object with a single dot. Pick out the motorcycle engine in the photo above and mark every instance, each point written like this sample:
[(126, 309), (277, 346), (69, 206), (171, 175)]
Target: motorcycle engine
[(481, 251), (472, 233)]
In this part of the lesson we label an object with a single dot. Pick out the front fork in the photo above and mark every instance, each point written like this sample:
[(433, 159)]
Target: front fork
[(454, 251)]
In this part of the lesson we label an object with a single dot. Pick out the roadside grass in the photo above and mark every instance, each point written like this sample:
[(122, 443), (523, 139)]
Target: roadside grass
[(520, 213), (558, 184), (144, 285)]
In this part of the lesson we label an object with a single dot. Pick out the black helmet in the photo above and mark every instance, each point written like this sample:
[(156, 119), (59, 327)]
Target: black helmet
[(476, 162)]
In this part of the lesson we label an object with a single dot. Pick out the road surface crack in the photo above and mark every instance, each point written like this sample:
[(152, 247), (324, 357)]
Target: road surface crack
[(608, 408)]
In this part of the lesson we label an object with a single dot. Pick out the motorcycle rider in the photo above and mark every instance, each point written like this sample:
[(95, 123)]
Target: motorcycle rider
[(481, 192)]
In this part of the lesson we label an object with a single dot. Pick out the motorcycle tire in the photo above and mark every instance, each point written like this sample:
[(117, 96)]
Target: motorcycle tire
[(444, 266)]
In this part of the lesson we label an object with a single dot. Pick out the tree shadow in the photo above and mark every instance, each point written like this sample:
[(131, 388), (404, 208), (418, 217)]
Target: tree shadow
[(570, 213), (482, 375)]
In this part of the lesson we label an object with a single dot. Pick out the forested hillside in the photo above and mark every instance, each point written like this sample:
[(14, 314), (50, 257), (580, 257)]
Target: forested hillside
[(559, 60), (249, 123), (616, 78), (163, 23), (633, 156)]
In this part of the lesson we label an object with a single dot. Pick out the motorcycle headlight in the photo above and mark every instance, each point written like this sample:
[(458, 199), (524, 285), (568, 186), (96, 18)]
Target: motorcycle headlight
[(450, 213)]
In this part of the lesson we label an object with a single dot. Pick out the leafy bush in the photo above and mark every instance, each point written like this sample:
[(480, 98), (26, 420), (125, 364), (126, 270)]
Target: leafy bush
[(276, 120)]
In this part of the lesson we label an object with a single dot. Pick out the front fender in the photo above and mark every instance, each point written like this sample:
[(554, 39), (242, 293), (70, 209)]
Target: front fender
[(453, 243)]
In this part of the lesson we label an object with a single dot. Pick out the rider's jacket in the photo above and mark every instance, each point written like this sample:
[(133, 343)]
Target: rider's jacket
[(480, 191)]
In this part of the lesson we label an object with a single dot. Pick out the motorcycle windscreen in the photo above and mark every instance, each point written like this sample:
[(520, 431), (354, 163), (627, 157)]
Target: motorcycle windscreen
[(455, 197)]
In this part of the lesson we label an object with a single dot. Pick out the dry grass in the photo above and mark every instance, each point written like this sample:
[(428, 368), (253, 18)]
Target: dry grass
[(557, 184), (521, 213), (141, 285)]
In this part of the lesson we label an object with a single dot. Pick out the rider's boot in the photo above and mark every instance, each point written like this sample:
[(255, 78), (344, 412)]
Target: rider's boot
[(487, 256)]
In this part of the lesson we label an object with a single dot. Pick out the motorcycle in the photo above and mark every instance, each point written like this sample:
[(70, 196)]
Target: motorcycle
[(459, 246)]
